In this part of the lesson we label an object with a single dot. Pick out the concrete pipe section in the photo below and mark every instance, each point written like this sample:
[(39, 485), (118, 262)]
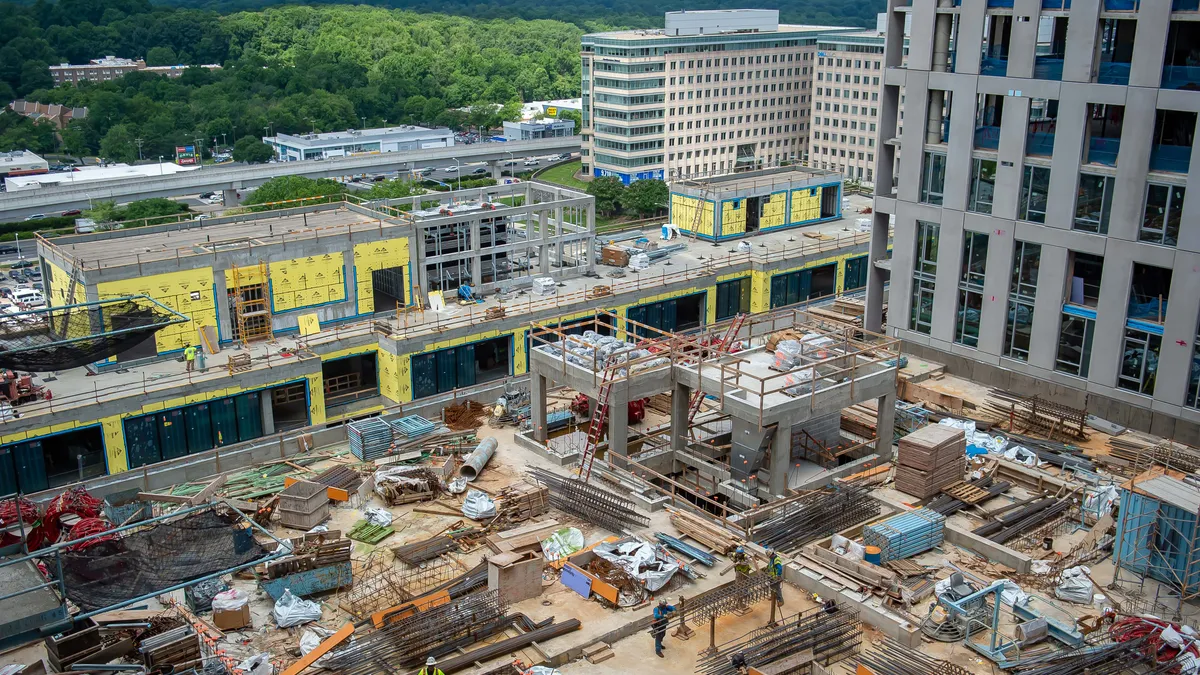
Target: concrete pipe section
[(478, 459)]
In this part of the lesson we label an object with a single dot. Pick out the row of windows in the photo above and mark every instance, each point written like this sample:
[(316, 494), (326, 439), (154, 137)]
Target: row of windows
[(742, 75), (851, 109), (848, 94), (740, 105), (726, 121), (840, 63), (836, 152), (739, 61), (837, 77), (729, 148), (738, 91)]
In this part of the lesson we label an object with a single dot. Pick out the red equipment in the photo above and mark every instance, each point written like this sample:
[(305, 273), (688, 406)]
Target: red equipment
[(17, 389)]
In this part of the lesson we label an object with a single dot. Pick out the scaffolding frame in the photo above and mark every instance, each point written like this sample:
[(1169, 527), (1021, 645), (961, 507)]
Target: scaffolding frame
[(1145, 555), (246, 309)]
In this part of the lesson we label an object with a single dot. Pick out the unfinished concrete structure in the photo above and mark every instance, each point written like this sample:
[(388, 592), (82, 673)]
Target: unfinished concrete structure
[(776, 424)]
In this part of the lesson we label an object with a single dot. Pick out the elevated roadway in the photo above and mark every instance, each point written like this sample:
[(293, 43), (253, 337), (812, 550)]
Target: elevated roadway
[(54, 199)]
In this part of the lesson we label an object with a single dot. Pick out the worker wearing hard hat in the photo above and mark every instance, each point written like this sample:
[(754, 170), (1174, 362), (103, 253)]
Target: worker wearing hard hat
[(742, 562), (775, 569), (431, 668)]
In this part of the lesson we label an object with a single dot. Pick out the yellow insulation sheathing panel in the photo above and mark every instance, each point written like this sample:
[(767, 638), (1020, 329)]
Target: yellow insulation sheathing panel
[(307, 282), (59, 282), (188, 292), (316, 399), (774, 211), (806, 205), (760, 291), (379, 255), (388, 366), (683, 214), (733, 217)]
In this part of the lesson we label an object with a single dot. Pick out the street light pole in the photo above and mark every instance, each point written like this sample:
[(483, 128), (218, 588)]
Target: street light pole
[(458, 172), (160, 163)]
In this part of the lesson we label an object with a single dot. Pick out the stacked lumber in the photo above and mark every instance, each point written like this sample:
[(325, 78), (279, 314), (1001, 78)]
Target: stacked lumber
[(779, 336), (615, 256), (660, 403), (859, 419), (702, 530), (929, 459), (311, 556)]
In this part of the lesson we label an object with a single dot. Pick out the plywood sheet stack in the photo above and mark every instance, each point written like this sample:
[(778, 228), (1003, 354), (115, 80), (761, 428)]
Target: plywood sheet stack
[(929, 459)]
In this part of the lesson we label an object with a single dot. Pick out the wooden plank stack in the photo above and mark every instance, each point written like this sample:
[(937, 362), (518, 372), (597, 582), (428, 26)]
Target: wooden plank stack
[(929, 459), (702, 530)]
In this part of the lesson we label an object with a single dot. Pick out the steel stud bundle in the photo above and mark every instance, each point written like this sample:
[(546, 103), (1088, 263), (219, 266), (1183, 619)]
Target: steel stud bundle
[(891, 658), (1114, 658), (906, 534), (370, 438), (814, 516), (831, 636), (593, 504)]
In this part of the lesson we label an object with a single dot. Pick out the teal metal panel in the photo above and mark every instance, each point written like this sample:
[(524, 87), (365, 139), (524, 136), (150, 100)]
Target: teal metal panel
[(8, 472), (249, 415), (30, 465), (309, 582), (172, 436), (424, 375), (141, 441), (778, 291), (197, 420), (447, 368), (466, 365), (856, 273), (224, 422)]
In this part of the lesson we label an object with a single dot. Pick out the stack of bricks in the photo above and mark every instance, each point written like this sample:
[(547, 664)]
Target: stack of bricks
[(929, 459)]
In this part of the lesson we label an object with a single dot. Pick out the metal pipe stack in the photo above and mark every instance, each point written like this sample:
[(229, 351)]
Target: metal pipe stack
[(831, 635), (890, 658), (906, 534), (1013, 524)]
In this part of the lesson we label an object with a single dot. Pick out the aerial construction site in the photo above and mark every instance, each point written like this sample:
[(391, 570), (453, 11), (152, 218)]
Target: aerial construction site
[(467, 433)]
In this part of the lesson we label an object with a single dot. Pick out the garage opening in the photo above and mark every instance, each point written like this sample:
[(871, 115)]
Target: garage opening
[(829, 201), (753, 211), (387, 287), (824, 281), (349, 379), (289, 407), (52, 461), (689, 312)]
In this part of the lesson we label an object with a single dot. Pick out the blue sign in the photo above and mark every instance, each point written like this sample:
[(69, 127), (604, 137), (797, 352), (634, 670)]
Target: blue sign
[(656, 174)]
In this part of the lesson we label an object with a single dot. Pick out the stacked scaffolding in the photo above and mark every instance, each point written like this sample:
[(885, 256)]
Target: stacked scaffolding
[(252, 303), (832, 635)]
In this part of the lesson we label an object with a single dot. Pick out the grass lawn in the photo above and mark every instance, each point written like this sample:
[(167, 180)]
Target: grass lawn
[(564, 175)]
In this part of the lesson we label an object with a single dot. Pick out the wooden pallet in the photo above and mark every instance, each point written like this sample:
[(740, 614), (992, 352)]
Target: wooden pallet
[(368, 533), (906, 568), (965, 492)]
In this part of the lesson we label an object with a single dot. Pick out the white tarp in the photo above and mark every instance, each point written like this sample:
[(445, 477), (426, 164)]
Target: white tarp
[(1075, 586), (638, 560), (478, 506)]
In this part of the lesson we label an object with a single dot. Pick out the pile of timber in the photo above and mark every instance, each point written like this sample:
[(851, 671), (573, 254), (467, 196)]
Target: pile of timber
[(1139, 451), (947, 505), (521, 502), (843, 310), (1035, 415), (859, 419), (853, 574), (702, 530), (1061, 455), (311, 552), (929, 459)]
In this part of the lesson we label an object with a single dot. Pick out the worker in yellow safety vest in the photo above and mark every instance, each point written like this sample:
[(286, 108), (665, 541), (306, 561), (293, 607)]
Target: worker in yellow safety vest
[(775, 569), (741, 562), (431, 668)]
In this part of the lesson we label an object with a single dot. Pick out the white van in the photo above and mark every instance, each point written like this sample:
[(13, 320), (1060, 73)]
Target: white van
[(28, 298)]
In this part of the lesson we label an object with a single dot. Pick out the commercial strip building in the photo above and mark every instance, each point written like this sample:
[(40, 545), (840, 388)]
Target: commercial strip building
[(538, 127), (292, 147), (361, 274), (112, 67), (1041, 202), (93, 174), (710, 93), (21, 163)]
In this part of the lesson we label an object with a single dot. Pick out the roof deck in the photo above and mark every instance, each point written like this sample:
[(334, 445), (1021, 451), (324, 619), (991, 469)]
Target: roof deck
[(749, 183)]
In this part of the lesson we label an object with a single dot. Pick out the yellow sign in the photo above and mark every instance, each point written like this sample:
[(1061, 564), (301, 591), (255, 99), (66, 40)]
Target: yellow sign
[(309, 324), (552, 111)]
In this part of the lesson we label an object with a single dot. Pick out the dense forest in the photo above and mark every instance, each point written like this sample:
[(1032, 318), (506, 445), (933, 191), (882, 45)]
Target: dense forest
[(296, 68)]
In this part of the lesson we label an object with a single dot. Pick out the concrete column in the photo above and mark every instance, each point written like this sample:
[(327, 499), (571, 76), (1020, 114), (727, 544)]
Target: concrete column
[(1110, 323), (949, 270), (497, 170), (230, 197), (268, 413), (899, 298), (994, 315), (1133, 162), (221, 298), (876, 278), (541, 217), (885, 421), (618, 430), (781, 457), (1179, 332), (537, 407), (591, 225), (476, 261), (1047, 307), (680, 400)]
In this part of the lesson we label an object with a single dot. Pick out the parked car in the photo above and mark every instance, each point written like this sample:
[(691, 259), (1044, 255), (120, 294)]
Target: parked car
[(532, 162), (37, 286), (6, 292), (32, 273), (36, 216), (22, 264), (72, 212), (15, 275)]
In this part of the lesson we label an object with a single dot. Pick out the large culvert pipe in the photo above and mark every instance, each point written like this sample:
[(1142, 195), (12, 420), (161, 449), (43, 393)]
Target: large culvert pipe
[(478, 459)]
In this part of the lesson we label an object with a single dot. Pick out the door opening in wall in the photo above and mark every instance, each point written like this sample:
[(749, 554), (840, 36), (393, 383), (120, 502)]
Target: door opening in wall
[(349, 379), (753, 212), (289, 407), (387, 286)]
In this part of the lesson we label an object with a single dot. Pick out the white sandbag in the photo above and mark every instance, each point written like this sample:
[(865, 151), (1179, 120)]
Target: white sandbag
[(1172, 637), (457, 486), (312, 638), (377, 516), (787, 354), (478, 506), (1074, 586), (850, 548), (259, 664), (229, 600), (1012, 594), (744, 247), (1041, 567), (318, 528), (639, 261), (292, 611)]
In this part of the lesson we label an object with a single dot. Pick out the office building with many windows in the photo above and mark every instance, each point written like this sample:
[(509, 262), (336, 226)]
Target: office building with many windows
[(1042, 240), (845, 106), (712, 92)]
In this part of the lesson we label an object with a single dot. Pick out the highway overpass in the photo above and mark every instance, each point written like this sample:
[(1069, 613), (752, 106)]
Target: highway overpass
[(54, 199)]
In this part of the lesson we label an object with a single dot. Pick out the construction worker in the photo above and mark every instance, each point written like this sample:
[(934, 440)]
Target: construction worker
[(775, 569), (431, 668), (190, 355), (742, 562), (738, 661), (658, 625)]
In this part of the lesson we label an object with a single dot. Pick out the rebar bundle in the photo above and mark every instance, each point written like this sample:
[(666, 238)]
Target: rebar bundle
[(832, 635), (890, 658), (1013, 524), (1114, 658), (433, 632), (593, 504), (742, 592), (817, 515)]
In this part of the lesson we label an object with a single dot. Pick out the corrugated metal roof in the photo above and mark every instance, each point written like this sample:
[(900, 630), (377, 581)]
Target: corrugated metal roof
[(1172, 491)]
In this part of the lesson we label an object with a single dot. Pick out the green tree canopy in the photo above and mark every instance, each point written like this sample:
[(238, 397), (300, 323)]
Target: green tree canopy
[(646, 197), (161, 56), (118, 144), (608, 192), (392, 189), (284, 188), (251, 150), (573, 115)]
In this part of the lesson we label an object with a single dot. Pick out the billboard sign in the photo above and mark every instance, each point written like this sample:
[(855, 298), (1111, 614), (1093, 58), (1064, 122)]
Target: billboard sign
[(185, 154)]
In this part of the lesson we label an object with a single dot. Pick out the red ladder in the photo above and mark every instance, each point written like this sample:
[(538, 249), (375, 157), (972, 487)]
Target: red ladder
[(722, 348), (596, 426)]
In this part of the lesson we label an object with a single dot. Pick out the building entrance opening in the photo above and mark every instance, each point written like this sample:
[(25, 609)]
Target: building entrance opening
[(349, 379), (289, 407), (753, 211), (829, 202), (52, 461), (387, 287)]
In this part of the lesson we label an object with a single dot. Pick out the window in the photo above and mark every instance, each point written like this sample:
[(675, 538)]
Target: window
[(983, 185), (970, 288), (1139, 361), (1075, 343), (1035, 192), (1084, 271), (1022, 292), (733, 298), (933, 178), (1193, 392), (462, 366), (1164, 209), (1149, 291), (802, 285), (924, 277), (1093, 204)]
